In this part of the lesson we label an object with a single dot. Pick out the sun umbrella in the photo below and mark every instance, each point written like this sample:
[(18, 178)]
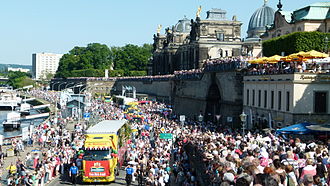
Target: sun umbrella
[(274, 59), (286, 59), (297, 55), (260, 60), (315, 54)]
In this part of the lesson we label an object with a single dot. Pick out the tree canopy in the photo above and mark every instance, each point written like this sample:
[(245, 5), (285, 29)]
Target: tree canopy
[(19, 79), (91, 61)]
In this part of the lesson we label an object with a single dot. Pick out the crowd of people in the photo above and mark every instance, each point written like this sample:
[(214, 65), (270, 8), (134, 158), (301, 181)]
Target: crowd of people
[(197, 153), (287, 68)]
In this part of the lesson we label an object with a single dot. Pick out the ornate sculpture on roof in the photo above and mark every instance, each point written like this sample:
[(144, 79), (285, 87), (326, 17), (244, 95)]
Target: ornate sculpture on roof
[(265, 2), (198, 13), (279, 6), (159, 28)]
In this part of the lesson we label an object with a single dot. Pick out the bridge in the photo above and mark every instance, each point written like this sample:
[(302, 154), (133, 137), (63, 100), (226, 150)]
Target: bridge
[(215, 91)]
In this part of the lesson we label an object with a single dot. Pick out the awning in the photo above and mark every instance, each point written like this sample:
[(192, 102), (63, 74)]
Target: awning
[(320, 128), (300, 128)]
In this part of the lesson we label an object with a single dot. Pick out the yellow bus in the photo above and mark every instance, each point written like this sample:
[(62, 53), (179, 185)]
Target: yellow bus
[(103, 151)]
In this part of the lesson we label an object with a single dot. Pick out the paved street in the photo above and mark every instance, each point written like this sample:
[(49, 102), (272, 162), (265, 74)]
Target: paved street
[(64, 181)]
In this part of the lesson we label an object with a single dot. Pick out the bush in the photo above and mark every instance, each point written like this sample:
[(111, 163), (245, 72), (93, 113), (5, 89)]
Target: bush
[(87, 73), (116, 73), (295, 42), (137, 73)]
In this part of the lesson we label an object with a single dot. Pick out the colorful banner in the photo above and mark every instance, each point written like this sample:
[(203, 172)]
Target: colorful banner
[(97, 168)]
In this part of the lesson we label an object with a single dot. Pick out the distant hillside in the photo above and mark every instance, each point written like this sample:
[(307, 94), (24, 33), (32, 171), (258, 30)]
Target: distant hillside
[(3, 67)]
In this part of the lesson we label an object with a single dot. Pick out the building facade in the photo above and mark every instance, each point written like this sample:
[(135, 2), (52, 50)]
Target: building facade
[(44, 63), (285, 99), (187, 44), (314, 17), (18, 69), (260, 19)]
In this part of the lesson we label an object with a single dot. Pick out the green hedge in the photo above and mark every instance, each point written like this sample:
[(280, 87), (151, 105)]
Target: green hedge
[(100, 73), (137, 73), (295, 42), (87, 73)]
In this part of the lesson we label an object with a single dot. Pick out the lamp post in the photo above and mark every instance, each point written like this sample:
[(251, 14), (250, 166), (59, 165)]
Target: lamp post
[(200, 118), (65, 87), (53, 86), (243, 119), (326, 44), (59, 86), (80, 91)]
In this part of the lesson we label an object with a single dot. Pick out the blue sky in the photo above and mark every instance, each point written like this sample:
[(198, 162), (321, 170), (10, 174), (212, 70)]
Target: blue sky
[(30, 26)]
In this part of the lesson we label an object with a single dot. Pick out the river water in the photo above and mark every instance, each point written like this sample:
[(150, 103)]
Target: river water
[(3, 115)]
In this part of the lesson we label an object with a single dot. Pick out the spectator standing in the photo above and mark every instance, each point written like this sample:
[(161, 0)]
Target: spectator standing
[(129, 174), (73, 173)]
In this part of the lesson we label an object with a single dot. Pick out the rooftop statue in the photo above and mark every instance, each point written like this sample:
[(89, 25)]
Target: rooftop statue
[(198, 13), (159, 28)]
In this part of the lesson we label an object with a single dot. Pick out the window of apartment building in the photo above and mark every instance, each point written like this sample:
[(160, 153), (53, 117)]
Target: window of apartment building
[(247, 97), (253, 97), (220, 36), (279, 100), (259, 98), (320, 102), (272, 99), (287, 101), (265, 99)]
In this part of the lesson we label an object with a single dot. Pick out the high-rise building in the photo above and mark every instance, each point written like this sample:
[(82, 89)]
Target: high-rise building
[(44, 63)]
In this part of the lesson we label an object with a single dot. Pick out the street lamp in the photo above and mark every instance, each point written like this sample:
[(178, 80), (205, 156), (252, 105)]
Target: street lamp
[(59, 86), (243, 119), (65, 87), (326, 44), (200, 118), (53, 86)]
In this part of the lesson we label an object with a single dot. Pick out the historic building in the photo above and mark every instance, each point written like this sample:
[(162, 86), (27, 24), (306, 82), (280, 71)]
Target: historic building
[(314, 17), (285, 99), (187, 44), (262, 17)]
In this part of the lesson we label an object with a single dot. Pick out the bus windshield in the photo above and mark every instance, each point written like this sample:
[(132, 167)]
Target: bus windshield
[(96, 155)]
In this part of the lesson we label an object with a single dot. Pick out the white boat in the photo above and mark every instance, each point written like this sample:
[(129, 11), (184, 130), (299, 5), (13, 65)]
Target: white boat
[(9, 99), (24, 109), (12, 121)]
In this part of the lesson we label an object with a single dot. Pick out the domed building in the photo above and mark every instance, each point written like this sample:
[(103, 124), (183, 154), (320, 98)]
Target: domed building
[(259, 20), (190, 42), (183, 26)]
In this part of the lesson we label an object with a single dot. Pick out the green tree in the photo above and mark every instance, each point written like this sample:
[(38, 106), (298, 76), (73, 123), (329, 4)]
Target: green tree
[(19, 79), (94, 56), (93, 59), (131, 57)]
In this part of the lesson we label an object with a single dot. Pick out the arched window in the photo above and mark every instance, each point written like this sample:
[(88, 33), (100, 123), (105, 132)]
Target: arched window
[(299, 29)]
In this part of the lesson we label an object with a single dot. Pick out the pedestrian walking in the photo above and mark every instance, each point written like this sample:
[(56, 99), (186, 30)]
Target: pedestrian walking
[(73, 173), (129, 174)]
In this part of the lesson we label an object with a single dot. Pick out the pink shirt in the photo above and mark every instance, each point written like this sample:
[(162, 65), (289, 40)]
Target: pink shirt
[(309, 169)]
